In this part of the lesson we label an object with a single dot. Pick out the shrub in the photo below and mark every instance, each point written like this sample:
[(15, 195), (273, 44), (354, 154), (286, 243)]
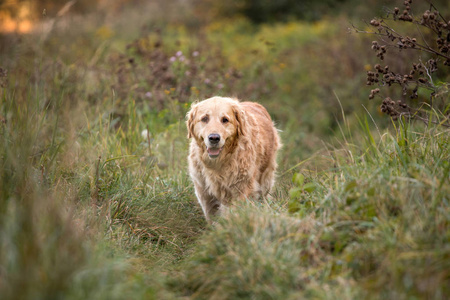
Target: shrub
[(423, 83), (273, 11)]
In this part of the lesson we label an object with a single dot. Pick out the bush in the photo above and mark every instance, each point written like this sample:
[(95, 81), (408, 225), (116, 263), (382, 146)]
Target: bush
[(273, 11), (424, 83)]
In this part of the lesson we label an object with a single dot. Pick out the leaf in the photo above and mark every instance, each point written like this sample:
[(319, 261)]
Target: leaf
[(298, 179), (309, 187), (294, 206), (295, 193)]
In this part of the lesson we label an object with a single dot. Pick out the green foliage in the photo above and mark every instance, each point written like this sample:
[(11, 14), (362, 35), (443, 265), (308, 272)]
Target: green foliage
[(372, 227), (296, 193), (275, 11)]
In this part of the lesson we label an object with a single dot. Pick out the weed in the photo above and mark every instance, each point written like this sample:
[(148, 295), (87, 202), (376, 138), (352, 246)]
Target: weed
[(422, 78)]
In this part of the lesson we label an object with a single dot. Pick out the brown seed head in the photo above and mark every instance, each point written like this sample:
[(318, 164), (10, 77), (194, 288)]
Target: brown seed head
[(375, 23)]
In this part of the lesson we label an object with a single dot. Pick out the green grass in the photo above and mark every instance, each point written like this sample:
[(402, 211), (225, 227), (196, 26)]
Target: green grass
[(92, 206), (373, 226)]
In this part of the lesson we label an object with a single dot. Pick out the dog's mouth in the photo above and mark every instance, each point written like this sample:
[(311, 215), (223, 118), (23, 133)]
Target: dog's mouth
[(214, 152)]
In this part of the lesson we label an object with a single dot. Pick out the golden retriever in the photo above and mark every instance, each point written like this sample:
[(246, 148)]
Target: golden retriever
[(232, 154)]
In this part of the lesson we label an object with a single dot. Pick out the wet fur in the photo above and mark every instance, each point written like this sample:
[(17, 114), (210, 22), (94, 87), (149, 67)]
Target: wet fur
[(246, 165)]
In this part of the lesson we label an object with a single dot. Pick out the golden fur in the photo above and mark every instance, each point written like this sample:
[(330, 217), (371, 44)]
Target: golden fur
[(242, 164)]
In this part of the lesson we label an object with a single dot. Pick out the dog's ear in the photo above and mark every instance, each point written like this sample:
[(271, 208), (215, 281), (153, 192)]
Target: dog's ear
[(190, 117), (241, 120)]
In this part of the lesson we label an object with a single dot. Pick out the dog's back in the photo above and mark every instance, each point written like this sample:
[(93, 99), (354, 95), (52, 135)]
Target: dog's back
[(269, 140)]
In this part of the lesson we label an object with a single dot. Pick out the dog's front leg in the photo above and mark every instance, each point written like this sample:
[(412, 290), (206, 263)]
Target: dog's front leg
[(210, 205)]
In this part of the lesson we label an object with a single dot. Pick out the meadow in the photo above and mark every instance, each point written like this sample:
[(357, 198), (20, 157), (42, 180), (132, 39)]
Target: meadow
[(96, 202)]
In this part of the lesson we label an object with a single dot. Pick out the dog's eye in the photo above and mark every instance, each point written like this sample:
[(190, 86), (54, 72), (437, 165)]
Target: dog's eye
[(205, 119), (225, 120)]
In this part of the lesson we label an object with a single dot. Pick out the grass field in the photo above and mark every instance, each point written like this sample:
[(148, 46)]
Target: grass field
[(96, 202)]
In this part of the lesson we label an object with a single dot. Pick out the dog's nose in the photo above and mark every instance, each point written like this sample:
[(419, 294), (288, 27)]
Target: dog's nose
[(214, 138)]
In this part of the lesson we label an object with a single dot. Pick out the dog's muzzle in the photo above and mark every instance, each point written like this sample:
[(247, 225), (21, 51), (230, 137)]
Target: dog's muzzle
[(213, 145)]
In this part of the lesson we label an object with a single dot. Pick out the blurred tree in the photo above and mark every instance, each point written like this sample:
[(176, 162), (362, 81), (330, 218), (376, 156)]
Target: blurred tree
[(281, 10), (260, 11), (263, 11)]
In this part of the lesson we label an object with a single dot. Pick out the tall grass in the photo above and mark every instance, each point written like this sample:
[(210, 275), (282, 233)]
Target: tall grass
[(80, 213), (372, 225)]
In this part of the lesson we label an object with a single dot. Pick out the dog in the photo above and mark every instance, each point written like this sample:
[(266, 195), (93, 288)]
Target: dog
[(232, 153)]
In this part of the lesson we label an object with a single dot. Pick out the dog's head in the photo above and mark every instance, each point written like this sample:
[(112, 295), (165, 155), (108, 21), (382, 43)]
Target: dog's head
[(216, 124)]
